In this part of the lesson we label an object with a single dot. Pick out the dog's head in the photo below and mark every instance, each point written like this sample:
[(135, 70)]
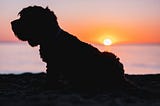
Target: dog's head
[(35, 24)]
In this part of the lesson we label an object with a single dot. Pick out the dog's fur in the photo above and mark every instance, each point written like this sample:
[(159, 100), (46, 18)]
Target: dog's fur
[(67, 57)]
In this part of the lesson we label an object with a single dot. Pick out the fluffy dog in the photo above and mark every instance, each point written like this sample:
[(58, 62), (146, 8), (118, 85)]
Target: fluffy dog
[(68, 59)]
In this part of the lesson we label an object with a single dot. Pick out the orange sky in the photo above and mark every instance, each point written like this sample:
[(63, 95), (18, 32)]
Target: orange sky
[(123, 21)]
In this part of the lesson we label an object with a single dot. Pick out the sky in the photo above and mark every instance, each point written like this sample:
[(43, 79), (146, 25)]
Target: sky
[(92, 21)]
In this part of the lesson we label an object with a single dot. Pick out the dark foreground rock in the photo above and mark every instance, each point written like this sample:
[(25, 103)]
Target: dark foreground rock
[(29, 90)]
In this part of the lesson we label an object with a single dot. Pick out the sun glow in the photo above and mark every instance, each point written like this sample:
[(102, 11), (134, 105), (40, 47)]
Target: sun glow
[(107, 42)]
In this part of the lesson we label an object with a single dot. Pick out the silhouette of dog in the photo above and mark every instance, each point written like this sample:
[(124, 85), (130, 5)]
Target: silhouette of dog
[(68, 59)]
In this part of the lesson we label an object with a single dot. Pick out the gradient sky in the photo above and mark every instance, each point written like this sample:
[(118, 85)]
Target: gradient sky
[(123, 21)]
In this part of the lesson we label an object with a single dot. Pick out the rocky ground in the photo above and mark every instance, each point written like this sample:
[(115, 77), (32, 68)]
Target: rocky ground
[(29, 90)]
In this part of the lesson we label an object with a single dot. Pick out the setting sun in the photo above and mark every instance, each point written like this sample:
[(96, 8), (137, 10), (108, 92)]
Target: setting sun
[(107, 42)]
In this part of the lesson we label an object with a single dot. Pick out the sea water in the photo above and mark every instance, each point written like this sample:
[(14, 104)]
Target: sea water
[(19, 58), (16, 58)]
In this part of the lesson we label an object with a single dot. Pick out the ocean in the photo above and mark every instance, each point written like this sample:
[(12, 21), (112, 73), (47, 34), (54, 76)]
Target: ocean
[(17, 58)]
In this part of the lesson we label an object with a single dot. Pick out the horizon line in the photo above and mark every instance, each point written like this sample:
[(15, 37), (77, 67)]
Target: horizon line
[(131, 43)]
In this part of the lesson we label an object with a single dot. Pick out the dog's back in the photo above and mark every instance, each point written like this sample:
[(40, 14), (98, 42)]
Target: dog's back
[(79, 62)]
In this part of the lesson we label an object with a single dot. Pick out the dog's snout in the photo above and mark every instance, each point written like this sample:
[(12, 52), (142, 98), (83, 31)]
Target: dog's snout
[(14, 23), (17, 29)]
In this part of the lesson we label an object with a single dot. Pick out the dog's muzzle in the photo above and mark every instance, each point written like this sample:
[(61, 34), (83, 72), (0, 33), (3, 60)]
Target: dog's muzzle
[(15, 26), (18, 30)]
